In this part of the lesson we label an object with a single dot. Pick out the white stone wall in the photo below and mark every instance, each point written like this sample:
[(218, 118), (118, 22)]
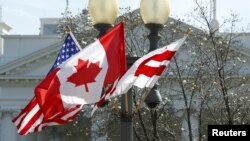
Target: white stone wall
[(16, 93), (17, 46)]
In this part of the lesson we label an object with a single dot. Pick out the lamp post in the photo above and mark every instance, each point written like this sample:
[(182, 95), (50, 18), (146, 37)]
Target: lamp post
[(103, 14), (154, 14)]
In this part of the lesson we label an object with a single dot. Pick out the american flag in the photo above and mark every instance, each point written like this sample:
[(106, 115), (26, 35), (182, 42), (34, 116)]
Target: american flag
[(30, 119), (69, 48)]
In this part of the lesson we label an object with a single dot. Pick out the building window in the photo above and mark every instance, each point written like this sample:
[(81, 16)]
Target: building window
[(50, 29)]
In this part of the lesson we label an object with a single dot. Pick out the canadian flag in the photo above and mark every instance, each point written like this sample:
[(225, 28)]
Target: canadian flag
[(77, 81), (145, 72), (81, 78)]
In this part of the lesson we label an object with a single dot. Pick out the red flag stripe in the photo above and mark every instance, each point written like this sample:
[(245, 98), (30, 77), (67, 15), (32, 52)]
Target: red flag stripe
[(40, 112), (113, 43), (49, 90), (145, 71), (60, 119), (35, 120), (166, 55), (37, 124), (30, 112), (106, 95), (29, 120), (149, 71), (30, 106)]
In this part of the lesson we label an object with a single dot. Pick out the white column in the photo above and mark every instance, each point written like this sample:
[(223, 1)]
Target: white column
[(1, 42), (8, 130)]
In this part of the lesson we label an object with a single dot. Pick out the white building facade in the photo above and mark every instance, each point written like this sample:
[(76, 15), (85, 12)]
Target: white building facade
[(25, 60)]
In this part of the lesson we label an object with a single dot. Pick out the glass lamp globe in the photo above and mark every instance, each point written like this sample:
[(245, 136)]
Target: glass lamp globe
[(103, 11), (154, 11)]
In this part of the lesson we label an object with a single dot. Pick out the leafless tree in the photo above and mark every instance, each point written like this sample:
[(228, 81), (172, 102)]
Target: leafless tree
[(205, 80)]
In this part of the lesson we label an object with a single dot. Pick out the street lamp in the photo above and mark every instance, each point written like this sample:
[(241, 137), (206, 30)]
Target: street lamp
[(103, 14), (154, 98), (154, 14)]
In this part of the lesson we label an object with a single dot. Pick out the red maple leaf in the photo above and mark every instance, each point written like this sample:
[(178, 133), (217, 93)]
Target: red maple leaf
[(86, 73)]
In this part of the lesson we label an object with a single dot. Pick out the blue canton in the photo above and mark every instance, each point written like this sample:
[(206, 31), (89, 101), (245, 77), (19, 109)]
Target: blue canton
[(68, 49)]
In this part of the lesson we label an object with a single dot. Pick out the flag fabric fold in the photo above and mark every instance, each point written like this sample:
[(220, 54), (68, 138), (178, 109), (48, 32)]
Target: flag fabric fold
[(77, 81), (30, 119), (145, 72)]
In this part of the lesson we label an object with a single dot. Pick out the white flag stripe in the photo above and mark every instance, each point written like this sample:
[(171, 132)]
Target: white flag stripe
[(59, 96), (65, 117), (176, 45), (110, 94), (144, 81), (27, 130), (28, 117), (72, 113), (106, 95), (128, 79), (31, 118), (41, 126), (18, 120), (46, 124), (141, 80), (37, 122), (153, 63), (94, 109), (171, 47)]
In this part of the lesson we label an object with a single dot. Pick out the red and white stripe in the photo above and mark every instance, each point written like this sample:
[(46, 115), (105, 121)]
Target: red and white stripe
[(106, 96), (31, 118), (57, 100), (145, 72)]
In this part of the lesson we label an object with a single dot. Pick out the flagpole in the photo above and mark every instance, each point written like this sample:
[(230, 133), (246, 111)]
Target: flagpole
[(143, 99), (127, 110), (127, 117), (103, 24), (153, 23)]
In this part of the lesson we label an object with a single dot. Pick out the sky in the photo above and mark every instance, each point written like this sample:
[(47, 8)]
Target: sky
[(24, 15)]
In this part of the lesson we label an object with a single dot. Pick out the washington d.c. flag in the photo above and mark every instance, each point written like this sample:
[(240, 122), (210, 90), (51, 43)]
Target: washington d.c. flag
[(145, 72)]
